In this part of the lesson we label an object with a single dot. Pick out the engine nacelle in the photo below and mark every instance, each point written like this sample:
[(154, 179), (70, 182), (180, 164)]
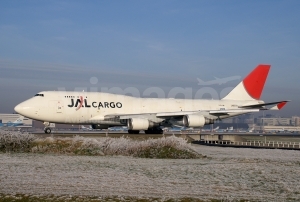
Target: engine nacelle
[(193, 120), (139, 124), (98, 126)]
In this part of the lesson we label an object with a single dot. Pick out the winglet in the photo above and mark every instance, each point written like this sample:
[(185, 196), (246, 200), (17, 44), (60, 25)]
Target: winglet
[(279, 106), (252, 86)]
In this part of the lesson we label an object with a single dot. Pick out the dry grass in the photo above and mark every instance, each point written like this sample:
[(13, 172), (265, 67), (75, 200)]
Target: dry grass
[(165, 147), (29, 198), (15, 141)]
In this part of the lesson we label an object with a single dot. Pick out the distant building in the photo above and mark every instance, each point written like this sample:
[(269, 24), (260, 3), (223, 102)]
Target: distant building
[(275, 121), (247, 118), (296, 120)]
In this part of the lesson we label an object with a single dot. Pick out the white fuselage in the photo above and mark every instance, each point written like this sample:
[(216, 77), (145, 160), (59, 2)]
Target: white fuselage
[(92, 107)]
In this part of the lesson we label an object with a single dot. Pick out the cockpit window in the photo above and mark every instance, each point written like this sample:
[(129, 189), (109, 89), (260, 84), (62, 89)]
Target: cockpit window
[(42, 95)]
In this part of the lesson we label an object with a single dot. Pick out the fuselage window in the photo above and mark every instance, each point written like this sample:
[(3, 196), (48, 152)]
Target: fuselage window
[(42, 95)]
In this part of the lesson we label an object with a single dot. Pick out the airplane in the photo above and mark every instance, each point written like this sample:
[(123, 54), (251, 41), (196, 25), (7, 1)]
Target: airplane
[(230, 129), (104, 110), (117, 128), (217, 80), (221, 131), (85, 128), (211, 130), (282, 130), (293, 131), (180, 128), (217, 128), (16, 123), (250, 130)]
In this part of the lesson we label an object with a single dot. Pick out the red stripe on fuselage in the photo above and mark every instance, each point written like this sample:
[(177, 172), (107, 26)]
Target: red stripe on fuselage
[(81, 102)]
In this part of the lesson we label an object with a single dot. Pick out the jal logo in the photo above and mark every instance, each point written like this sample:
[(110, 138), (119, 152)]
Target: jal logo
[(81, 102)]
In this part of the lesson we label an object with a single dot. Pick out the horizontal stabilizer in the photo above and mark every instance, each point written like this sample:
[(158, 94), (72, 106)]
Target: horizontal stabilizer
[(257, 106)]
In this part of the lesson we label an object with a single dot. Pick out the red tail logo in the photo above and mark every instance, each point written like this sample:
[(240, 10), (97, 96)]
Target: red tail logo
[(255, 81)]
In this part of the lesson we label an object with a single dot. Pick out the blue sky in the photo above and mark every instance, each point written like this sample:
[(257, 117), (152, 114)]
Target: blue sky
[(49, 45)]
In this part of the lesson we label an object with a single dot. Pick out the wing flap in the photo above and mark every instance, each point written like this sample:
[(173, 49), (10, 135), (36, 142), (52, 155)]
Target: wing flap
[(224, 112), (181, 113), (174, 114)]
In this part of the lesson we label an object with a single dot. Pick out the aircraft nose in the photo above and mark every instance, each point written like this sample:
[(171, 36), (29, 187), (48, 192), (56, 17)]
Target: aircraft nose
[(27, 109), (18, 109)]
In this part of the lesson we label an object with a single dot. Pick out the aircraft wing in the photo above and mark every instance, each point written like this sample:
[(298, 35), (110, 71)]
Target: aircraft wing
[(211, 112), (164, 115), (180, 113)]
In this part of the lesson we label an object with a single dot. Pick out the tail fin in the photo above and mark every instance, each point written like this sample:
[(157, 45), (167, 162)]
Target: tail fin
[(19, 120), (252, 85)]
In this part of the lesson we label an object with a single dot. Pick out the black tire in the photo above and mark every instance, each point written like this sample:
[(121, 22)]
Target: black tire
[(47, 130), (154, 131), (133, 131), (158, 131)]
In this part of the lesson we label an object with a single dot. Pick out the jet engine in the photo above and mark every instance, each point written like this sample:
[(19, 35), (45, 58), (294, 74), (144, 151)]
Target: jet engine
[(98, 126), (139, 124), (194, 120)]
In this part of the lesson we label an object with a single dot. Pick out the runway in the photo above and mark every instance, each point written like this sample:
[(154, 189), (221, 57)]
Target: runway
[(178, 134)]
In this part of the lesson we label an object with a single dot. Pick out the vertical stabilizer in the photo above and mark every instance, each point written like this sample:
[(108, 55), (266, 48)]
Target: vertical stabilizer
[(252, 85)]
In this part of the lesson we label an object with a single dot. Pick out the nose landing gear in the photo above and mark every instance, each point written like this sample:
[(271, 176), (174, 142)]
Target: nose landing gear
[(47, 130)]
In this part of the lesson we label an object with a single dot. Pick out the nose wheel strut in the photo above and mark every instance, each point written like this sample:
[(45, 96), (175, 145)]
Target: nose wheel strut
[(47, 129)]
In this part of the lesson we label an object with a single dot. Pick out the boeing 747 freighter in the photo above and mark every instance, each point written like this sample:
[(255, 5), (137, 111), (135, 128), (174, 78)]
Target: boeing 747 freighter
[(103, 110)]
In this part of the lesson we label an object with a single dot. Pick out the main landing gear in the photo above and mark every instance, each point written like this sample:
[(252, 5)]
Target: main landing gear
[(156, 130), (133, 131)]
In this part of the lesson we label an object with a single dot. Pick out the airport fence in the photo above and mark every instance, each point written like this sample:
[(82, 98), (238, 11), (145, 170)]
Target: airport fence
[(252, 144)]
